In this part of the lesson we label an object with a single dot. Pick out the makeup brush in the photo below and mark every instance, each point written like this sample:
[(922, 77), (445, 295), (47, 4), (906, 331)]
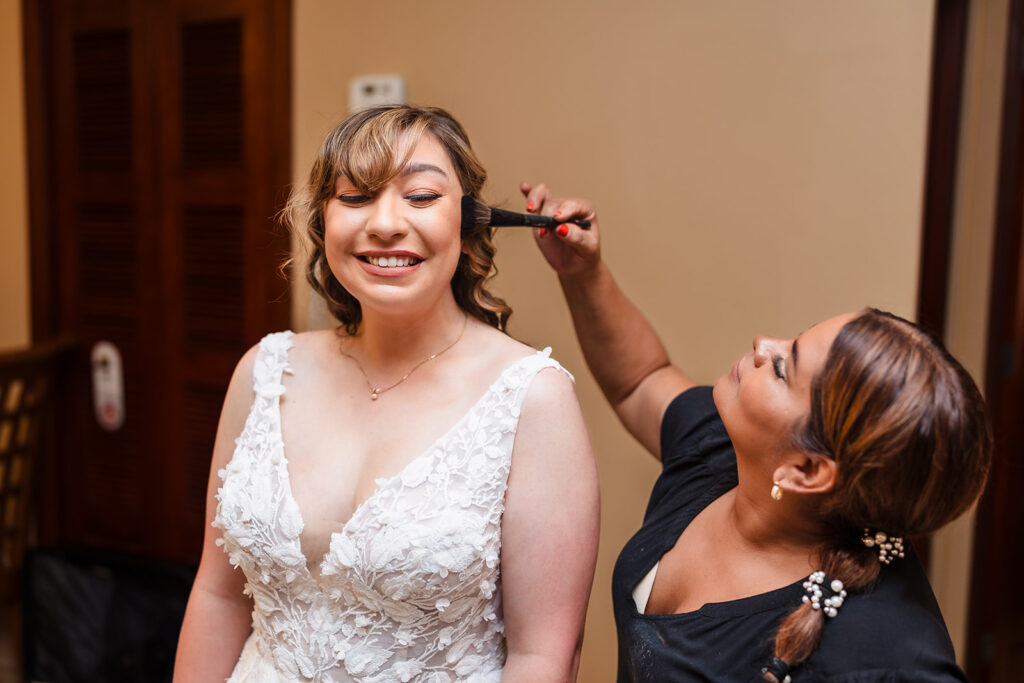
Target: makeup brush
[(477, 216)]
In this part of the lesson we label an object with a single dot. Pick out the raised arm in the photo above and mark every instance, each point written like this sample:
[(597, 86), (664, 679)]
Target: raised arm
[(621, 348), (218, 618)]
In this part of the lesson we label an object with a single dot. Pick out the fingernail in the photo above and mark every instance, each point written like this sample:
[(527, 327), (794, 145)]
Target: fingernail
[(563, 229), (529, 206), (543, 231), (558, 213)]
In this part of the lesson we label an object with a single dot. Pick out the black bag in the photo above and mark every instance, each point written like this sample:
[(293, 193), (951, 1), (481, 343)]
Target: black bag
[(94, 616)]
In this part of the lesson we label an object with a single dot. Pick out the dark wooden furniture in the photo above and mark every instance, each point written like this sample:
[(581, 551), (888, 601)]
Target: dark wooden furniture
[(27, 393), (159, 150)]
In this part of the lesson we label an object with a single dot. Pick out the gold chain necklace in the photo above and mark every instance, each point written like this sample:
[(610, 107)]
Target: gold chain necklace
[(375, 392)]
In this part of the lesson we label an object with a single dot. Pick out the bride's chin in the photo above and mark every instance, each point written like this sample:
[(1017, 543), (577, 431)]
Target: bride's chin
[(397, 304)]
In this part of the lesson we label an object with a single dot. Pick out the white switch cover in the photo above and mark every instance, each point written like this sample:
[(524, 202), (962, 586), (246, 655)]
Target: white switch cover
[(370, 91), (107, 386)]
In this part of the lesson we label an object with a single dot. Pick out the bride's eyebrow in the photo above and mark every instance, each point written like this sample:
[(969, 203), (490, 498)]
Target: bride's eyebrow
[(419, 167)]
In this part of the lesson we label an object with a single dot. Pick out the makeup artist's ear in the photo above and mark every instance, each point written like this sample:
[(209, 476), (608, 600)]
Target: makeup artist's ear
[(806, 472)]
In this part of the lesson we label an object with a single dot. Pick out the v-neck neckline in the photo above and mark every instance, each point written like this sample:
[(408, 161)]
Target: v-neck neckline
[(379, 486)]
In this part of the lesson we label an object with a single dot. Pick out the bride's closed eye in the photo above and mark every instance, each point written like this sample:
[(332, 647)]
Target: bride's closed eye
[(353, 199), (422, 199)]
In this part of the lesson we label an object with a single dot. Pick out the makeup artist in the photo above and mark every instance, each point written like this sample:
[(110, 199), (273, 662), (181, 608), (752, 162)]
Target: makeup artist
[(774, 542)]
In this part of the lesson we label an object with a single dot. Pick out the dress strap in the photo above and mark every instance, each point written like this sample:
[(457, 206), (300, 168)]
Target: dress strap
[(526, 369), (542, 359), (271, 363)]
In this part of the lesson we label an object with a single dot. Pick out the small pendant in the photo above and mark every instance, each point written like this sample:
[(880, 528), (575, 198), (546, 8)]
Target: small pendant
[(373, 396)]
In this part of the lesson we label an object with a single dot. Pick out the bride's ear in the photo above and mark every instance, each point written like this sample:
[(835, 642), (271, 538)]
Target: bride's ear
[(806, 472)]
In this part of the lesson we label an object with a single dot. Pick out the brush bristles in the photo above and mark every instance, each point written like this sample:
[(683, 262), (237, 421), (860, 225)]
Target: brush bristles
[(481, 215), (476, 216)]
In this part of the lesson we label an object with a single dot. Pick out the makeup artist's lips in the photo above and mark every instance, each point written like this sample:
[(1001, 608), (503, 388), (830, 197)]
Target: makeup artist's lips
[(389, 263)]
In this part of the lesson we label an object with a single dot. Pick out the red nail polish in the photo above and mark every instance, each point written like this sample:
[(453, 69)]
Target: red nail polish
[(529, 206), (558, 213), (563, 229), (543, 231)]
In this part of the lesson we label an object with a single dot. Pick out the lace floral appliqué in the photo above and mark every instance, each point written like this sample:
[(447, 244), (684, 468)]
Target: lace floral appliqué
[(410, 588)]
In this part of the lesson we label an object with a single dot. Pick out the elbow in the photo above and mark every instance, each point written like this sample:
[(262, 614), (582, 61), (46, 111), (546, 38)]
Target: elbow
[(618, 395), (558, 664), (539, 668)]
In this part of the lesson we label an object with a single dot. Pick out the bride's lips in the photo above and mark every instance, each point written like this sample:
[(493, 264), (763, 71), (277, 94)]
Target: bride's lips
[(370, 262)]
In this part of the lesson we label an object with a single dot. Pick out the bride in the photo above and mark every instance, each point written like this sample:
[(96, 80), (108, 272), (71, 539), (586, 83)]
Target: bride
[(410, 497)]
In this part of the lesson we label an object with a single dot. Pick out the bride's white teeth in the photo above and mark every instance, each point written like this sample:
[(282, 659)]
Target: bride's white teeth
[(391, 261)]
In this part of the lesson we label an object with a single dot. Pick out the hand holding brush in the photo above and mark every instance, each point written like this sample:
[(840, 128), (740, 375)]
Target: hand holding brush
[(569, 251), (477, 216)]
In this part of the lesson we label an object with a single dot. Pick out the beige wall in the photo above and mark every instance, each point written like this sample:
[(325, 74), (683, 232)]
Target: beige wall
[(973, 231), (757, 167), (14, 286)]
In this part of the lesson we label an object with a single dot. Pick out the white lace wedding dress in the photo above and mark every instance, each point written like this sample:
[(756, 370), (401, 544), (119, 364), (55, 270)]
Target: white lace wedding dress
[(410, 589)]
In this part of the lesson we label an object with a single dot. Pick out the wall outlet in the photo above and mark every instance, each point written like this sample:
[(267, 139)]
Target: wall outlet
[(370, 91)]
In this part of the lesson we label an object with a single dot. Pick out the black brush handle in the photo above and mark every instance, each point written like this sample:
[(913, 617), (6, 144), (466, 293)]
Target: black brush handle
[(507, 219)]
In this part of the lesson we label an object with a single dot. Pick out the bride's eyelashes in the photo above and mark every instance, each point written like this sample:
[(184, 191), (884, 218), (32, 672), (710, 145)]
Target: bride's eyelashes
[(417, 199), (423, 199), (353, 199)]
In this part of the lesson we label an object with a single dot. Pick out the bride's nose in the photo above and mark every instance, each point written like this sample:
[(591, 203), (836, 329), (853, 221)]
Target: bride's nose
[(385, 220)]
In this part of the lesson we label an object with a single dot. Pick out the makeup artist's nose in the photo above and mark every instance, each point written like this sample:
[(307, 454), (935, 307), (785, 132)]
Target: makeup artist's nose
[(385, 220), (763, 346)]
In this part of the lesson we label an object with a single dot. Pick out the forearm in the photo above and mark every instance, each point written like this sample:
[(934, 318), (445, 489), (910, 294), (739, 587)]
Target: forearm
[(212, 635), (620, 346)]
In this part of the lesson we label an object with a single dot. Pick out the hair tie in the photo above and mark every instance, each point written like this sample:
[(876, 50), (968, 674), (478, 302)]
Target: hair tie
[(889, 547), (777, 668), (816, 585)]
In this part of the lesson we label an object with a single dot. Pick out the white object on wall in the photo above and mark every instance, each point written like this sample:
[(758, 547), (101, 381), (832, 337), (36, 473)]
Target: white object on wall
[(107, 386), (373, 90)]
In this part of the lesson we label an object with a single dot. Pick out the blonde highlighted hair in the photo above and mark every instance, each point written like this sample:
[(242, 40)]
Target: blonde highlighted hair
[(362, 148)]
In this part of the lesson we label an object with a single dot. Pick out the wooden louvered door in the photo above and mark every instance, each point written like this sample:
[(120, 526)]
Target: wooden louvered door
[(164, 128)]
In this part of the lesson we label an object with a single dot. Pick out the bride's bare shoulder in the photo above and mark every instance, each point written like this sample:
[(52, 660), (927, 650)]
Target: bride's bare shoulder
[(315, 344), (498, 347), (313, 355)]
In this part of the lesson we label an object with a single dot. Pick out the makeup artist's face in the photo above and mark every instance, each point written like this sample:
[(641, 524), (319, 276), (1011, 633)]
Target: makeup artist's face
[(767, 393), (396, 251)]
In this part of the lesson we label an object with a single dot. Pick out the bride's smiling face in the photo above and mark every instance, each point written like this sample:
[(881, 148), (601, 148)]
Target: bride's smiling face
[(396, 250)]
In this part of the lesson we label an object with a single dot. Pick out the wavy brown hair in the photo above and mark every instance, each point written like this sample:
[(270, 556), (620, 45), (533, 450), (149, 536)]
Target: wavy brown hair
[(911, 438), (363, 149)]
